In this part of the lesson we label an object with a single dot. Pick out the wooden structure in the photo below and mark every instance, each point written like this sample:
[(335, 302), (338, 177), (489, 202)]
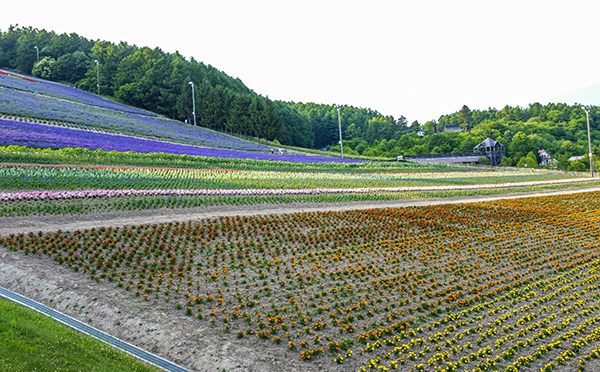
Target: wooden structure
[(491, 149)]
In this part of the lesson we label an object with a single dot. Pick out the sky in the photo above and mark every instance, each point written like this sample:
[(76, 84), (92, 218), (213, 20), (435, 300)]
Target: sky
[(420, 59)]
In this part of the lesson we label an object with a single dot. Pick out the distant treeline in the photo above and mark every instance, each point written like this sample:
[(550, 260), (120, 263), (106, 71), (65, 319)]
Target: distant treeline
[(560, 129), (157, 81)]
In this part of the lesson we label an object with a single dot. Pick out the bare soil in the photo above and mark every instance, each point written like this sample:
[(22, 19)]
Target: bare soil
[(155, 327)]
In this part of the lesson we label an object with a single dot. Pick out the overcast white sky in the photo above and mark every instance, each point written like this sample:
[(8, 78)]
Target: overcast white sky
[(420, 59)]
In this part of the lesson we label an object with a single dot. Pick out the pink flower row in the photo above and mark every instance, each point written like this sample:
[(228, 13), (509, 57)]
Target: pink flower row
[(40, 195)]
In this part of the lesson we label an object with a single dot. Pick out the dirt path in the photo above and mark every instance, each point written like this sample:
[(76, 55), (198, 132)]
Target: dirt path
[(87, 221), (160, 328)]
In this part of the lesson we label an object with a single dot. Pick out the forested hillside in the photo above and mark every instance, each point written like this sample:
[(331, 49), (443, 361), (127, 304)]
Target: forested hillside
[(157, 81), (324, 123), (560, 129)]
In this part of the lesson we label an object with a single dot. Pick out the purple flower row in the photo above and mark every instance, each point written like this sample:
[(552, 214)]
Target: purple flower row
[(20, 98), (41, 195), (49, 88), (44, 136), (26, 104)]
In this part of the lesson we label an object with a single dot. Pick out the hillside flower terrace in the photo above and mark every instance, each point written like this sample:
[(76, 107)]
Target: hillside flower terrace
[(438, 284)]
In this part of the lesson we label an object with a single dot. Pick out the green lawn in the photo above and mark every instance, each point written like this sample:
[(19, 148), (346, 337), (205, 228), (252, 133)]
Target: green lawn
[(30, 341)]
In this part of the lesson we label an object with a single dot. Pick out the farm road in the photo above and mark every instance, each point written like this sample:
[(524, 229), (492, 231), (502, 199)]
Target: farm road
[(75, 222)]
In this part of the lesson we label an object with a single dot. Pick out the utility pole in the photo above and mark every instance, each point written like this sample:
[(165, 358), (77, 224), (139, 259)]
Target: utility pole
[(587, 115), (97, 75), (193, 101), (340, 125)]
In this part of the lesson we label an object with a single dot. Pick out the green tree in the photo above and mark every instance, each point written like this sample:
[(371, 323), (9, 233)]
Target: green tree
[(71, 67), (298, 130), (353, 131), (528, 161), (273, 126), (484, 160), (44, 68), (239, 114), (465, 117), (9, 41), (430, 127), (26, 54), (375, 130), (415, 126), (520, 145), (506, 161), (402, 125), (257, 117)]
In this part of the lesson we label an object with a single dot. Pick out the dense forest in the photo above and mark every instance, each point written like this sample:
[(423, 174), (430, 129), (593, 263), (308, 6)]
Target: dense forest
[(157, 81)]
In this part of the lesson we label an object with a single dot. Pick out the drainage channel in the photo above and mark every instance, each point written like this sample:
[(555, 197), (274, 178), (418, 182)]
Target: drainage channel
[(96, 333)]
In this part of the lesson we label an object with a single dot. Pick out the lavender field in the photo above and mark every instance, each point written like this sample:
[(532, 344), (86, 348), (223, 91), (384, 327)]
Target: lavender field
[(43, 87), (44, 136), (36, 100)]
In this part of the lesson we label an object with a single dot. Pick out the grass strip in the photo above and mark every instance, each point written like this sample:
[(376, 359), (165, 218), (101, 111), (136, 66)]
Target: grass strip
[(30, 341)]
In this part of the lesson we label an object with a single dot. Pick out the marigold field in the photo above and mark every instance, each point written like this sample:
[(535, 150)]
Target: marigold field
[(509, 285)]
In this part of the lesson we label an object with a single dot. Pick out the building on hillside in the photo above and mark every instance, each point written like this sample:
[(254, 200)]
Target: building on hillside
[(573, 158), (491, 149), (421, 133), (547, 159), (452, 128)]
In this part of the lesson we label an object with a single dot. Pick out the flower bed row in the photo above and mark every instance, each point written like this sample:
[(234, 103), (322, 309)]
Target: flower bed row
[(82, 178), (16, 75), (216, 145), (429, 288), (36, 195), (64, 92), (24, 154)]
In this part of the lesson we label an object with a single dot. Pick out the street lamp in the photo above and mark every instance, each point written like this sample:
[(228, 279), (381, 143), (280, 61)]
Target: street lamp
[(587, 115), (193, 100), (97, 75), (340, 125), (37, 52)]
